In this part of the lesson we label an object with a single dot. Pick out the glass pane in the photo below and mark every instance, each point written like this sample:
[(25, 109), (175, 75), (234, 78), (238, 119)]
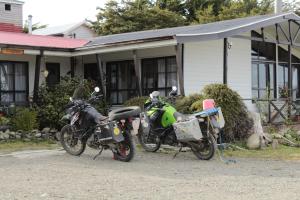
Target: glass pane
[(21, 97), (161, 80), (114, 98), (123, 96), (7, 97), (20, 77), (172, 79), (271, 75), (161, 65), (262, 76), (254, 76), (171, 64), (7, 76), (255, 94), (280, 76)]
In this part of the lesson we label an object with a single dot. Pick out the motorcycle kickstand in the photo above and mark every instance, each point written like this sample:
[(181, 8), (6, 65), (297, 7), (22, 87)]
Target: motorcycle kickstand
[(179, 151), (98, 153)]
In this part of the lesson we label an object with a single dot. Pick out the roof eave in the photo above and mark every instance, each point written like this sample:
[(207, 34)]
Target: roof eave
[(183, 38)]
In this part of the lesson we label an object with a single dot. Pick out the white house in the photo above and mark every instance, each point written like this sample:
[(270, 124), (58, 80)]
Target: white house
[(249, 54), (81, 30)]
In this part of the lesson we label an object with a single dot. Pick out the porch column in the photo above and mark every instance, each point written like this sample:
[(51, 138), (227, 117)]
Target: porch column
[(225, 61), (38, 63), (290, 80), (179, 61), (101, 74), (138, 73), (73, 64)]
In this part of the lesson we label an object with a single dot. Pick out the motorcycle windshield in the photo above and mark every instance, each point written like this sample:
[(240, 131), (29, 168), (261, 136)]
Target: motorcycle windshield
[(81, 92)]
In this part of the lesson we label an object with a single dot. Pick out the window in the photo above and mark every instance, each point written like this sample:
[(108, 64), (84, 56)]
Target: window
[(91, 72), (7, 7), (263, 70), (13, 82), (53, 73), (159, 74), (121, 81)]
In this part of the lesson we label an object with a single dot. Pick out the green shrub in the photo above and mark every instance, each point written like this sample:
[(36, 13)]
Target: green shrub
[(4, 121), (25, 119), (184, 104), (136, 101), (52, 100), (234, 110)]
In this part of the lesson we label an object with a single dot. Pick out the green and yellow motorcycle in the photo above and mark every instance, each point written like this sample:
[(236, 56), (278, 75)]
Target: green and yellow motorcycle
[(161, 124)]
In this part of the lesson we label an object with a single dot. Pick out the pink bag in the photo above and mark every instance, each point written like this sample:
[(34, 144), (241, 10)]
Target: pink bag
[(208, 104)]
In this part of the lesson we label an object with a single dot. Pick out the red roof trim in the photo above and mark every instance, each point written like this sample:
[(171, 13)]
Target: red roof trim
[(10, 28)]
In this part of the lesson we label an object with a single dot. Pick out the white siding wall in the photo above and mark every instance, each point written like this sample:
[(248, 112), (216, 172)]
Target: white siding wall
[(83, 32), (239, 68), (203, 65), (15, 16)]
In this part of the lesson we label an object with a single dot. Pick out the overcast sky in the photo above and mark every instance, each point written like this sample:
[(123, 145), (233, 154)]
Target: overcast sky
[(59, 12)]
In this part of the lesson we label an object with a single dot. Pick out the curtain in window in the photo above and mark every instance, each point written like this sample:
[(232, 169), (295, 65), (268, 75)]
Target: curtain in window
[(13, 81)]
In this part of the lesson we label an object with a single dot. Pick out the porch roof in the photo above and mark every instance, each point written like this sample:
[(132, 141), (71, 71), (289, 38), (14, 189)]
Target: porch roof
[(36, 41), (216, 30)]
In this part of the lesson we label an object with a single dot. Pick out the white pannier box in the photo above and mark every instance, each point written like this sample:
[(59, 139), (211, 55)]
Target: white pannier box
[(188, 130)]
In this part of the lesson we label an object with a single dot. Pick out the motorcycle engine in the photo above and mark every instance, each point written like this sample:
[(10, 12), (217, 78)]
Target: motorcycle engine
[(170, 139)]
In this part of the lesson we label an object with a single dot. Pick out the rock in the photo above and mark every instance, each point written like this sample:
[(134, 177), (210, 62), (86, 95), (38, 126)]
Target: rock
[(275, 144), (53, 131), (18, 137), (57, 136), (6, 136), (45, 130), (27, 140), (1, 136), (33, 132), (12, 135), (38, 135), (253, 142)]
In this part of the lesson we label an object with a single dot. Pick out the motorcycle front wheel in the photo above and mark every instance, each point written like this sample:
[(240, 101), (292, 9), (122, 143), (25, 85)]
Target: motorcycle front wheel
[(70, 143), (150, 147), (204, 149), (124, 150)]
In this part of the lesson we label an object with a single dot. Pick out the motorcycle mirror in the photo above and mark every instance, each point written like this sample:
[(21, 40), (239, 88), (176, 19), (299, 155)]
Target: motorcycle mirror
[(71, 99), (97, 89), (174, 88)]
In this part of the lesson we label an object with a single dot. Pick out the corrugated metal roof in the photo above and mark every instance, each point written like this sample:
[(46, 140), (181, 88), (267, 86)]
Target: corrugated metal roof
[(56, 30), (22, 39), (202, 29)]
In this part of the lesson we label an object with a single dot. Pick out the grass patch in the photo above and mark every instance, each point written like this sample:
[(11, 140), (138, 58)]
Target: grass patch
[(280, 153), (13, 146)]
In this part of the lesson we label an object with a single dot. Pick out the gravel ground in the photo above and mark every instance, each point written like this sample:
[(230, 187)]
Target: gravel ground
[(56, 175)]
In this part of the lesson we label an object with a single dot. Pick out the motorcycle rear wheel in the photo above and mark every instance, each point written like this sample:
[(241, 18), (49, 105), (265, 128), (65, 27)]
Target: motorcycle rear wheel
[(71, 144), (205, 149), (125, 150)]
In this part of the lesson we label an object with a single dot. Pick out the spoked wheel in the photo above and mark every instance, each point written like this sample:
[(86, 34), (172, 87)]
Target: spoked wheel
[(125, 150), (151, 145), (70, 143), (205, 149)]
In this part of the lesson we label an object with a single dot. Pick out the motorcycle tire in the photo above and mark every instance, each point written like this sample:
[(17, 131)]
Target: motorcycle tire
[(208, 144), (120, 152), (69, 144), (148, 147)]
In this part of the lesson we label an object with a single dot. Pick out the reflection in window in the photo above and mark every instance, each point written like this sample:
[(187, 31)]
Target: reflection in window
[(159, 74), (13, 82), (121, 81)]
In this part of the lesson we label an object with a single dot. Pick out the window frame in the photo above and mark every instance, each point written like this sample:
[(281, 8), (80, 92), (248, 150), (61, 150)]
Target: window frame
[(167, 73), (7, 7), (14, 92), (117, 90)]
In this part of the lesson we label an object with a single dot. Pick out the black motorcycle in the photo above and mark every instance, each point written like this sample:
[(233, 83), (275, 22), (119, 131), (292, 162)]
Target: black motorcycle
[(86, 126)]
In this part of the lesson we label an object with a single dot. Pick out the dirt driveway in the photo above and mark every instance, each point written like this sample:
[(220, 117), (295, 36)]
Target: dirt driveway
[(56, 175)]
